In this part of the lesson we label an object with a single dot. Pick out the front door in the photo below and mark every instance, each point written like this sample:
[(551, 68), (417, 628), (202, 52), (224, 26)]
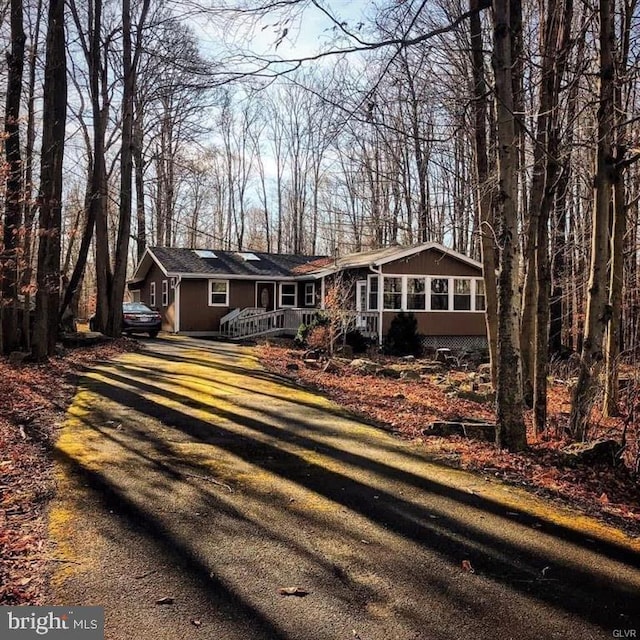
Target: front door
[(266, 295)]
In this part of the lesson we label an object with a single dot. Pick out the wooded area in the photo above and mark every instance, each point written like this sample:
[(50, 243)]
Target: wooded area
[(507, 131)]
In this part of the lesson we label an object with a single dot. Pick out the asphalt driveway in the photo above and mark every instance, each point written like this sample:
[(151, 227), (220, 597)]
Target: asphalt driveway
[(190, 476)]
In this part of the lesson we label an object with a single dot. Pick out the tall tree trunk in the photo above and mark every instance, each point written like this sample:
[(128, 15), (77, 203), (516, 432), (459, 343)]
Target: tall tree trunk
[(98, 214), (511, 432), (10, 270), (598, 310), (27, 201), (95, 200), (560, 307), (619, 227), (138, 159), (114, 321), (485, 195), (555, 41), (129, 66), (54, 115), (612, 347)]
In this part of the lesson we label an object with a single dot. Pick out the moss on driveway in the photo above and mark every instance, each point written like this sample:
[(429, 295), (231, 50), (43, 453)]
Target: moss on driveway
[(187, 471)]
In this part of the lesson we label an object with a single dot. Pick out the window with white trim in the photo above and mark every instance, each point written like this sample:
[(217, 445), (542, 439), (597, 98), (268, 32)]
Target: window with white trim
[(416, 294), (165, 293), (373, 293), (309, 294), (462, 294), (480, 297), (392, 293), (439, 294), (288, 294), (152, 294), (218, 293)]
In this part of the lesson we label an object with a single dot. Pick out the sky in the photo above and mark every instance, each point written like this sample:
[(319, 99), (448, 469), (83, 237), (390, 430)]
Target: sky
[(286, 35)]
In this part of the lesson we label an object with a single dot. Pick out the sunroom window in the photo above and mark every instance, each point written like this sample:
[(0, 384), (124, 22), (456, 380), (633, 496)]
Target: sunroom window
[(392, 294), (439, 294), (416, 294), (462, 294), (481, 301)]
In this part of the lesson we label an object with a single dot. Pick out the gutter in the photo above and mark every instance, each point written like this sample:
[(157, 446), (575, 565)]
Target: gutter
[(380, 302), (176, 302)]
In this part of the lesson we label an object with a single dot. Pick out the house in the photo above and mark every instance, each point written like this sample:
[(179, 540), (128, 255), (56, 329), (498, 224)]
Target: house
[(248, 293)]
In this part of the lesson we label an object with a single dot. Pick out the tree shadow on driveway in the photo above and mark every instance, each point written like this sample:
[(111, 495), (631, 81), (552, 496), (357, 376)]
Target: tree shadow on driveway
[(378, 534)]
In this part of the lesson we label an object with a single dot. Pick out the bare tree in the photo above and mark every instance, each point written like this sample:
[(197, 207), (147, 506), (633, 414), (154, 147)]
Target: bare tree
[(50, 196), (9, 269), (598, 309), (511, 432)]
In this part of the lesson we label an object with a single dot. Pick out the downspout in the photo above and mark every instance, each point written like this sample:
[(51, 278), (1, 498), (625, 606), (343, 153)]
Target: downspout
[(176, 302), (380, 302)]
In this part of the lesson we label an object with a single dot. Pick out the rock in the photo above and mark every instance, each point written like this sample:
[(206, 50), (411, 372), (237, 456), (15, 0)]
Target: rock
[(364, 366), (409, 358), (485, 369), (292, 366), (443, 355), (476, 395), (431, 367), (331, 367), (472, 430), (389, 372), (443, 429), (602, 451), (410, 374), (18, 357)]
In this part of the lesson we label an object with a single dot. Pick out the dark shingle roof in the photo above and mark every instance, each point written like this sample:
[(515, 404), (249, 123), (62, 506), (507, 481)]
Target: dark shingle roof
[(229, 263)]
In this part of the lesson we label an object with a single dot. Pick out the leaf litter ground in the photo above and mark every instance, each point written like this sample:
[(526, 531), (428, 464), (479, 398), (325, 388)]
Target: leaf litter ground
[(34, 398)]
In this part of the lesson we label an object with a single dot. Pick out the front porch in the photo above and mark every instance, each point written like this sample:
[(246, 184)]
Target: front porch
[(256, 321)]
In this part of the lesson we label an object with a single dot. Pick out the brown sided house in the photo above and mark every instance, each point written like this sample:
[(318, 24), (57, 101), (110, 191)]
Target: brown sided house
[(250, 293)]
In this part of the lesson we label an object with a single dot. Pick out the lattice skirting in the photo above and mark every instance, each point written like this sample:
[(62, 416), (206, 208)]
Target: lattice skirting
[(455, 343)]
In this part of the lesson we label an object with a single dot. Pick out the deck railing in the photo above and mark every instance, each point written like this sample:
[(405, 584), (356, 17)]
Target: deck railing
[(258, 322)]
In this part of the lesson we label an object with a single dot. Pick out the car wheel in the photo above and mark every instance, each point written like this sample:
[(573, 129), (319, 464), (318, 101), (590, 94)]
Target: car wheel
[(153, 334)]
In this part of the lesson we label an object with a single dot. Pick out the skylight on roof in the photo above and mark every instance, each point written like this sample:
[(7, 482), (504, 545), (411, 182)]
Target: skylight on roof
[(205, 253), (247, 255)]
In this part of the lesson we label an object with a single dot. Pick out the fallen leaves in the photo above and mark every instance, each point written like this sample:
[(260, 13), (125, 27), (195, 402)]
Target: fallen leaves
[(34, 397)]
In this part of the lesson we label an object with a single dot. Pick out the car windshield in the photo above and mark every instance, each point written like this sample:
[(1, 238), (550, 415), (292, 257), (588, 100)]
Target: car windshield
[(135, 307)]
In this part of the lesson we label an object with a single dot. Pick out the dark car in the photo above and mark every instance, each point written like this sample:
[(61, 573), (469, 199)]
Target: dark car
[(137, 318)]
